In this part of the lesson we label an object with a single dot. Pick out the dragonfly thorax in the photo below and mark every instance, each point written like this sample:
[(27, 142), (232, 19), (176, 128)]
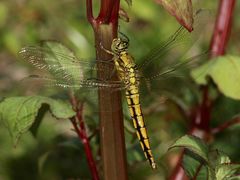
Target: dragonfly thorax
[(126, 69)]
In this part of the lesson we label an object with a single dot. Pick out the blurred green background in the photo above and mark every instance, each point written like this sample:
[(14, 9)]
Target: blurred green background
[(54, 152)]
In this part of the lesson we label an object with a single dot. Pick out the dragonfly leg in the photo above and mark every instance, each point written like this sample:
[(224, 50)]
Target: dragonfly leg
[(124, 35), (112, 74), (118, 89), (106, 50)]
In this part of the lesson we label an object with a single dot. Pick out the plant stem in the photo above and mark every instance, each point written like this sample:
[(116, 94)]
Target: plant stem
[(222, 27), (217, 47), (87, 149), (178, 172), (201, 120), (111, 119), (79, 128), (226, 125)]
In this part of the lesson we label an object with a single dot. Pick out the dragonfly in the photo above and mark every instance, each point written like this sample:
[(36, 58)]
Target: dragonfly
[(71, 72)]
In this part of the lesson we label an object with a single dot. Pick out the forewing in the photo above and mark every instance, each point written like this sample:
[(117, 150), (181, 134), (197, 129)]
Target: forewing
[(66, 69), (63, 69)]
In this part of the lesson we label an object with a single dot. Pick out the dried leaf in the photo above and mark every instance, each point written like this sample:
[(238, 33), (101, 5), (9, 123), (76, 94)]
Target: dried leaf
[(181, 9)]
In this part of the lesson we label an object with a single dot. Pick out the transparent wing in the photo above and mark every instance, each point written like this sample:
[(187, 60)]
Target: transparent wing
[(163, 48), (94, 84), (179, 69), (176, 45), (66, 69), (165, 70), (173, 80)]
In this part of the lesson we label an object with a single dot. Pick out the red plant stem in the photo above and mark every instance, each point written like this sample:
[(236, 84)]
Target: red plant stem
[(217, 47), (178, 172), (201, 120), (226, 125), (222, 27), (202, 117), (108, 12), (105, 11), (89, 11), (81, 132)]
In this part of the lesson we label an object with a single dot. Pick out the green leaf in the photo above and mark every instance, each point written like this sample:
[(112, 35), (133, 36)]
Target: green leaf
[(223, 168), (191, 166), (195, 168), (234, 178), (217, 157), (200, 74), (63, 65), (193, 144), (211, 173), (18, 113), (225, 72), (226, 170), (182, 10)]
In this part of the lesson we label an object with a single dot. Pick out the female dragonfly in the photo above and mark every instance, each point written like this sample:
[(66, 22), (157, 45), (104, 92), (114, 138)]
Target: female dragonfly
[(68, 71)]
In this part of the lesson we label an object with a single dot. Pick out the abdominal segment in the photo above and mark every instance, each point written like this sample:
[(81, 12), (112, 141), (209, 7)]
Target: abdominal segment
[(139, 125)]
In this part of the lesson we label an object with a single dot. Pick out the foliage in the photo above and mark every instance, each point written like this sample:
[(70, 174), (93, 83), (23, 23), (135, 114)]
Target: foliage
[(55, 152), (219, 70), (200, 162), (18, 120)]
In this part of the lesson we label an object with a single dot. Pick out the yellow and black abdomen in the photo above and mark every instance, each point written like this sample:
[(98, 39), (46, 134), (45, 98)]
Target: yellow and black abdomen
[(128, 74), (134, 106)]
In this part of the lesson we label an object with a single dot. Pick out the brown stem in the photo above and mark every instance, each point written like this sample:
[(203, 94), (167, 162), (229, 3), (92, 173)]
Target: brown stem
[(111, 119)]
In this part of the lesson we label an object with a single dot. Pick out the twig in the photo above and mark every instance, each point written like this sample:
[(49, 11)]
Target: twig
[(89, 11), (178, 173), (96, 131), (226, 125), (79, 128)]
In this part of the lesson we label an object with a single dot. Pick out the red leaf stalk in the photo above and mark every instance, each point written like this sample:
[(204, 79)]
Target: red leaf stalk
[(222, 27), (226, 125), (79, 128)]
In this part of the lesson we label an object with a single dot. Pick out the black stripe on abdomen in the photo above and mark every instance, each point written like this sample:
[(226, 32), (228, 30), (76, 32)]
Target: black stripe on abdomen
[(139, 124)]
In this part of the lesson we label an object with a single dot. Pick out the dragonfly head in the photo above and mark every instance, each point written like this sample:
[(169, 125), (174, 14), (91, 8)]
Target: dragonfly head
[(119, 45)]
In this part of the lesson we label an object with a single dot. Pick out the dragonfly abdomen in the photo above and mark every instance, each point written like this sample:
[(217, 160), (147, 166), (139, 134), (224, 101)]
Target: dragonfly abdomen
[(139, 124)]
